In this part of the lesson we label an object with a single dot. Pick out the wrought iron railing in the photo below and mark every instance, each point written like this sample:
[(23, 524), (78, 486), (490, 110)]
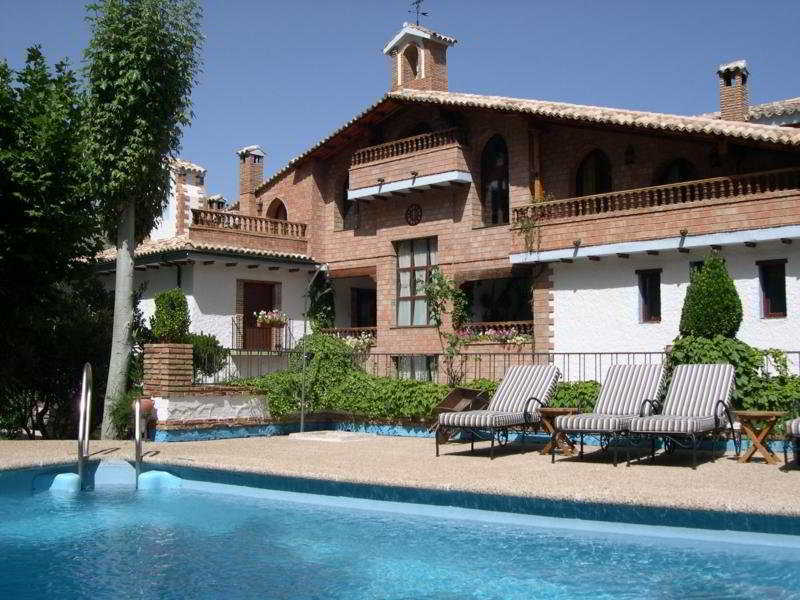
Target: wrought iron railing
[(574, 366), (219, 219), (408, 145), (270, 338), (717, 188)]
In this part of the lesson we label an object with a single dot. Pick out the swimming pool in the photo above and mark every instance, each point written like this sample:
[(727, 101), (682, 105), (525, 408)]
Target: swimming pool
[(210, 540)]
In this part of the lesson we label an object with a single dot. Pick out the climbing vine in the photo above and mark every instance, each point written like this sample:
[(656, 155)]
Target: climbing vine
[(442, 294)]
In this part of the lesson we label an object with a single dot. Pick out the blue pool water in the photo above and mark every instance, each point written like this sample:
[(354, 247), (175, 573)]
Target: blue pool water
[(214, 541)]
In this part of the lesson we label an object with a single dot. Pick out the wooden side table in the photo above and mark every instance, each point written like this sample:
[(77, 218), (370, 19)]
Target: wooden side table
[(557, 438), (759, 435)]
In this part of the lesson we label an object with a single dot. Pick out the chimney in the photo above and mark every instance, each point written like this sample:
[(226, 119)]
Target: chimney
[(418, 58), (733, 98), (251, 174)]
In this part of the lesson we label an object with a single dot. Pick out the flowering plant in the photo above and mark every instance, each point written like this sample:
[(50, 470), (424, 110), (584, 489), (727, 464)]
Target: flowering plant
[(504, 335), (272, 318), (359, 343)]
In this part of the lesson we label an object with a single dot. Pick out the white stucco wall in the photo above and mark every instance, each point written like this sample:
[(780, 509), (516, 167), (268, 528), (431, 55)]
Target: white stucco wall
[(211, 293), (597, 303), (207, 406), (213, 302)]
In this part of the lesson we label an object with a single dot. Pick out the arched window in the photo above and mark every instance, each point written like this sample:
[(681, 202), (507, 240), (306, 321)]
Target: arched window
[(678, 170), (494, 174), (594, 175), (411, 55), (277, 210)]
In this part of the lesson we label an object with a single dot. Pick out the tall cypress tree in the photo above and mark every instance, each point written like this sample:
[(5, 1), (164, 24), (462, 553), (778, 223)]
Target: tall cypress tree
[(712, 305)]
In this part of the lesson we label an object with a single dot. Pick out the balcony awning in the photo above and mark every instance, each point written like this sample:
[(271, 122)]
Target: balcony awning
[(747, 237), (406, 186)]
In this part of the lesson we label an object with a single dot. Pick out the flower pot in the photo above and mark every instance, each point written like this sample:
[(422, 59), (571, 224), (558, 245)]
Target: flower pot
[(147, 405)]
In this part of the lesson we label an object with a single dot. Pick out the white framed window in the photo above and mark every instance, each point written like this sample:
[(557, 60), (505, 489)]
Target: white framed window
[(414, 261)]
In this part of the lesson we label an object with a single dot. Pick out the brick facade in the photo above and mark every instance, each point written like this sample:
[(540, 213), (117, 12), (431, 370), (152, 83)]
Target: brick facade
[(167, 369)]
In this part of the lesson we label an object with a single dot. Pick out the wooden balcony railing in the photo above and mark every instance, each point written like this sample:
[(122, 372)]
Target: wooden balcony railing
[(351, 331), (408, 145), (235, 221), (663, 195)]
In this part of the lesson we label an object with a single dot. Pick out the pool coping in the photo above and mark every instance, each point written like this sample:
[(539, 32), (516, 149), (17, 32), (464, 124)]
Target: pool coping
[(486, 499)]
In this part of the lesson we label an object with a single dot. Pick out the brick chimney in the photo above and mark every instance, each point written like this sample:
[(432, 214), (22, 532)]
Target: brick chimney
[(418, 58), (251, 175), (734, 104)]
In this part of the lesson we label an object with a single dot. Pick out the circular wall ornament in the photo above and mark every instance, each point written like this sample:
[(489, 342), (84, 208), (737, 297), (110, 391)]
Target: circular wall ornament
[(413, 214)]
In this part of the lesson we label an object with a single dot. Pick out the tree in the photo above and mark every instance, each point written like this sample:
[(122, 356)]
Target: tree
[(142, 62), (53, 309), (712, 305)]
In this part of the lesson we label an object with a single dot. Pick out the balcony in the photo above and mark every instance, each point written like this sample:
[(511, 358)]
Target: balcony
[(427, 161), (497, 332), (687, 192), (747, 210), (235, 229)]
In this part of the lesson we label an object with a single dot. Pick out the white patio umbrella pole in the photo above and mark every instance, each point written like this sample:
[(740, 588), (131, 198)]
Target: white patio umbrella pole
[(320, 269)]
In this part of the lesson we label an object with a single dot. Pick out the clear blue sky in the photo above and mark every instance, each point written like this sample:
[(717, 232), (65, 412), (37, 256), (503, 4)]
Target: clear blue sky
[(284, 74)]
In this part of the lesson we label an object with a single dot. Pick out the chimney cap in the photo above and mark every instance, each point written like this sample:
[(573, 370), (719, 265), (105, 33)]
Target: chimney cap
[(736, 66), (256, 150), (411, 31)]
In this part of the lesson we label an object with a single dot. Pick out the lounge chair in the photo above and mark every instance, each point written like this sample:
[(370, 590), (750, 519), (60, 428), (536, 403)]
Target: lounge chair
[(792, 436), (515, 404), (698, 403), (628, 391)]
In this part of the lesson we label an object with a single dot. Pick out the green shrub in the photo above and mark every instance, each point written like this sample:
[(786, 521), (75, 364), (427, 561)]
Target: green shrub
[(170, 323), (756, 388), (208, 355), (712, 305), (580, 394), (487, 386), (122, 414), (281, 389)]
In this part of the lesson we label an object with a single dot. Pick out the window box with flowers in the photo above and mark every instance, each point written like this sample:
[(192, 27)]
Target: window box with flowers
[(272, 318)]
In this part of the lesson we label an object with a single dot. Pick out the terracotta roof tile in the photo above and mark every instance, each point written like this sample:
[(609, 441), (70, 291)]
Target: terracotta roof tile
[(704, 124), (183, 243)]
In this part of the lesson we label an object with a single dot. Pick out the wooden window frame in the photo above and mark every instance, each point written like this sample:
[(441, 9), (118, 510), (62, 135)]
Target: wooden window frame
[(413, 280), (766, 312), (646, 314)]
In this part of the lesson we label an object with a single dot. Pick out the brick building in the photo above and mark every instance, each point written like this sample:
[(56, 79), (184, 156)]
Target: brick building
[(230, 263), (574, 226)]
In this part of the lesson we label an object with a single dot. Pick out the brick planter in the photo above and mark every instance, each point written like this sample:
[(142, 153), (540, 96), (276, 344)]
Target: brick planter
[(167, 369)]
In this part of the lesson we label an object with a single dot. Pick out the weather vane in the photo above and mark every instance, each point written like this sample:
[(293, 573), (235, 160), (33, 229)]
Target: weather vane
[(416, 8)]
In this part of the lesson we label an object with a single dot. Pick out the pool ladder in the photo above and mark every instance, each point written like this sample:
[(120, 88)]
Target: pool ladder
[(84, 427), (84, 420)]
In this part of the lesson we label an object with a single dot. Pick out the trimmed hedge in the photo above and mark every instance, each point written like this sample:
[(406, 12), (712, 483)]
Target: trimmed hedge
[(170, 322), (712, 305)]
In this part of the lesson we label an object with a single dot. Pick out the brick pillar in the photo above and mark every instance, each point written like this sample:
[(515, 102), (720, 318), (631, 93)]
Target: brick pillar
[(181, 203), (167, 369), (543, 310)]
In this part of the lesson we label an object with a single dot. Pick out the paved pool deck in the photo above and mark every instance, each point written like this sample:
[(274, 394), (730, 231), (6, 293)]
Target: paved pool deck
[(721, 485)]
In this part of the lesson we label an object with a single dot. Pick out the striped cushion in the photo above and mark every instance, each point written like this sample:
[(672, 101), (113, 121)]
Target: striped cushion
[(793, 427), (521, 383), (592, 422), (695, 389), (485, 418), (626, 386), (671, 424)]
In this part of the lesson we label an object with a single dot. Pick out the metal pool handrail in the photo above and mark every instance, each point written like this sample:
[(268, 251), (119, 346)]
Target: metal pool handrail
[(137, 436), (84, 420)]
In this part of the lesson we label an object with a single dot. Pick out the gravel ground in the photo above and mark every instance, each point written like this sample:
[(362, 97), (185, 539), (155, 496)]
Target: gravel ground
[(721, 485)]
